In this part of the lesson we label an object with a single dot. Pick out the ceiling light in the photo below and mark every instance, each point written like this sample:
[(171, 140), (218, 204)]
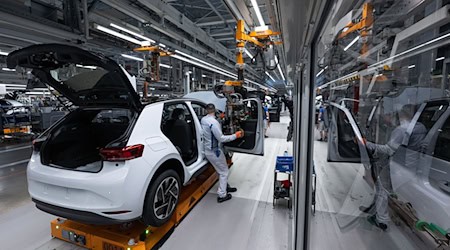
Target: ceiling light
[(351, 43), (440, 59), (320, 72), (3, 53), (8, 69), (132, 57), (132, 33), (204, 63), (258, 13), (261, 28), (165, 66), (119, 35), (410, 50), (203, 75), (270, 76), (162, 45), (200, 65), (248, 53), (86, 67), (411, 66)]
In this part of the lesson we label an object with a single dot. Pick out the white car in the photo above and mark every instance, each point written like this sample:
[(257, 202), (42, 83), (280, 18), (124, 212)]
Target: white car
[(112, 159), (419, 170)]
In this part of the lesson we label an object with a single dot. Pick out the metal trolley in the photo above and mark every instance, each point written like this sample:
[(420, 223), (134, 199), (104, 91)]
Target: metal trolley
[(282, 188)]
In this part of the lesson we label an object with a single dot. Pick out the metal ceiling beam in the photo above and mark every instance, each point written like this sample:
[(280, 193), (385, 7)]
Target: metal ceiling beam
[(181, 21), (240, 11), (218, 13), (190, 6), (211, 23), (33, 26), (225, 39), (228, 33)]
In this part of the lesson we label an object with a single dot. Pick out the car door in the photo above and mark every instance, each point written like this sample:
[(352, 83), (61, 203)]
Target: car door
[(429, 192), (345, 141), (253, 126)]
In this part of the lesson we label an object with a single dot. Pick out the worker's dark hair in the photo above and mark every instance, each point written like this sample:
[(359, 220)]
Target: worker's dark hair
[(407, 111), (210, 108)]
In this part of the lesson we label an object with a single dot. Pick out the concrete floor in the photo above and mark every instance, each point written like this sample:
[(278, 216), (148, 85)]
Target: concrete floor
[(248, 221)]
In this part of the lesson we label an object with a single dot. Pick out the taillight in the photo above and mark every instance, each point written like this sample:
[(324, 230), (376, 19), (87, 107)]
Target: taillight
[(122, 154), (37, 143)]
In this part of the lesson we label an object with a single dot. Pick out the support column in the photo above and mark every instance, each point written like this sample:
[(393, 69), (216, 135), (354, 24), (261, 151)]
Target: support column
[(187, 81)]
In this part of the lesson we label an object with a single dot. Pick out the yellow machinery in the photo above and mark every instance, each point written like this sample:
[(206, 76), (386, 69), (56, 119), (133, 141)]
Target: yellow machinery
[(151, 65), (234, 91), (134, 235), (262, 39)]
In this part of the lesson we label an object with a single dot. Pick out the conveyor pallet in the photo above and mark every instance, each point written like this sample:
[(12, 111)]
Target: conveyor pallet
[(133, 236)]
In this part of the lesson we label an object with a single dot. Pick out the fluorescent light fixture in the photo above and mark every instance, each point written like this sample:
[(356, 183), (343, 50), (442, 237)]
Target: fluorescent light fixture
[(281, 72), (119, 35), (132, 33), (15, 85), (248, 53), (258, 13), (132, 57), (440, 59), (411, 66), (320, 72), (204, 63), (162, 45), (3, 53), (203, 75), (86, 67), (165, 66), (270, 76), (201, 65), (351, 43), (261, 28), (410, 50), (35, 93), (8, 69)]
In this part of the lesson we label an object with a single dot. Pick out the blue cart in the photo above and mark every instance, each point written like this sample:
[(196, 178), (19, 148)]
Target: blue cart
[(282, 188)]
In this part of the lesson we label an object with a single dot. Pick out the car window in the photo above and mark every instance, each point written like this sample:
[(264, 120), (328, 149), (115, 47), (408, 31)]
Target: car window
[(442, 147), (432, 113), (199, 110), (176, 111), (113, 116)]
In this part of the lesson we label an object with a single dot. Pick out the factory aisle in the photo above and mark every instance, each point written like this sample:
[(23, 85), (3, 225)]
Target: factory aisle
[(249, 220), (261, 226)]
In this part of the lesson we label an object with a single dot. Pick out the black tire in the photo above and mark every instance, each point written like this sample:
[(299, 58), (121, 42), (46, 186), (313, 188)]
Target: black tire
[(157, 217)]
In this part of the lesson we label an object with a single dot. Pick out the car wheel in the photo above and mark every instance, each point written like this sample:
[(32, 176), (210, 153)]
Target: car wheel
[(162, 198)]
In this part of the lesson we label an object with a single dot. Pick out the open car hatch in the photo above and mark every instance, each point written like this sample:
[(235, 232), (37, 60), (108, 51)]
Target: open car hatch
[(86, 79)]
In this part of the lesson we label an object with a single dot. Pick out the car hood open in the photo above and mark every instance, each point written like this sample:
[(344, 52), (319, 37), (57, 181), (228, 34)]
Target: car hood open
[(85, 78)]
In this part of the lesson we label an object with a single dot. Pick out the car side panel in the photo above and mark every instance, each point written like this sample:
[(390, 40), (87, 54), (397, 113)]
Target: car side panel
[(157, 147)]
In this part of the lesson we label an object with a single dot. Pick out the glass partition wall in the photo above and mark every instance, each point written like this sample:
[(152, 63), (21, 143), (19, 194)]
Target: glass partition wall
[(382, 126)]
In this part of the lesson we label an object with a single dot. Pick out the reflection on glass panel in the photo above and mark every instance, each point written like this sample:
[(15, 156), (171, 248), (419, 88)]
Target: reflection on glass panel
[(382, 155)]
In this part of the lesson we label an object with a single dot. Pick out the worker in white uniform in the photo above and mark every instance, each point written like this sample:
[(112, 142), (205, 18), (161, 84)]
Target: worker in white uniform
[(212, 141)]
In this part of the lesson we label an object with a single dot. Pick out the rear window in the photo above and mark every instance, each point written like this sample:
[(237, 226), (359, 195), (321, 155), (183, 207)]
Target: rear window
[(91, 84), (113, 116)]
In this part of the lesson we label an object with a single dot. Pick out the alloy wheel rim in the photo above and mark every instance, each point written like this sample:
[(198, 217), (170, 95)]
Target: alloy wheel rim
[(166, 198)]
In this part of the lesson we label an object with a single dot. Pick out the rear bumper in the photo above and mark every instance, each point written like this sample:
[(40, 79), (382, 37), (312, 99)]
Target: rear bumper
[(115, 192), (77, 215)]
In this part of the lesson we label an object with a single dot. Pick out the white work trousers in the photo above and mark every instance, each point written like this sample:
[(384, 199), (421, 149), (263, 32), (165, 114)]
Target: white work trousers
[(220, 164), (381, 202)]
